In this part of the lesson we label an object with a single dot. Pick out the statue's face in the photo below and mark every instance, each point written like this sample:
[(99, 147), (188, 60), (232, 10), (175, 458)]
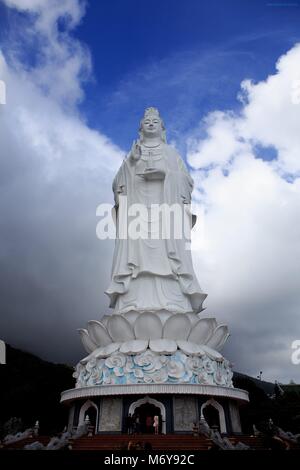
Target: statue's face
[(151, 126)]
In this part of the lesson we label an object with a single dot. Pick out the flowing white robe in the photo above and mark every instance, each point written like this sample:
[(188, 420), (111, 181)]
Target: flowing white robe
[(150, 274)]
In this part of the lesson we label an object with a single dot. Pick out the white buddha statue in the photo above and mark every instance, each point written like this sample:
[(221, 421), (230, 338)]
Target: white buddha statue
[(152, 272)]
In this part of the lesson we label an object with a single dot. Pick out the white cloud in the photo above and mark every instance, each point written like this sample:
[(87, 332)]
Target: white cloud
[(54, 171), (249, 254), (269, 117), (221, 145), (272, 116), (48, 12), (63, 62)]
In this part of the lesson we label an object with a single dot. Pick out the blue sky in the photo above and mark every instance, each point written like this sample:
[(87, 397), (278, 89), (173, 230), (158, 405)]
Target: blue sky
[(187, 57)]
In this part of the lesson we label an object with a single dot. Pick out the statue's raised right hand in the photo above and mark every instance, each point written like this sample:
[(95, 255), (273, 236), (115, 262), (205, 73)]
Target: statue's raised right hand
[(135, 152)]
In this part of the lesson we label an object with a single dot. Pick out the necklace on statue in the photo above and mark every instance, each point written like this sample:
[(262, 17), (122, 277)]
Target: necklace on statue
[(152, 146)]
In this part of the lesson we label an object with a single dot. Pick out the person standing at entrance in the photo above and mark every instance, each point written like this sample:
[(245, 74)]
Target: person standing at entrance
[(129, 424), (136, 424), (156, 424), (149, 423)]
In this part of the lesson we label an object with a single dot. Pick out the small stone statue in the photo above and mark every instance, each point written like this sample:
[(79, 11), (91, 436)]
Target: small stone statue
[(36, 428)]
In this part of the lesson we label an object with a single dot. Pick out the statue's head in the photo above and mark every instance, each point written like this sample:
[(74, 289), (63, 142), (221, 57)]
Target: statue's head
[(152, 125)]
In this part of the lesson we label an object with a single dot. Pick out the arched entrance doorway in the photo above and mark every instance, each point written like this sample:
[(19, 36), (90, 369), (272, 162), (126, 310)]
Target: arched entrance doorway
[(147, 408), (214, 415), (89, 409), (211, 416), (92, 414), (146, 413)]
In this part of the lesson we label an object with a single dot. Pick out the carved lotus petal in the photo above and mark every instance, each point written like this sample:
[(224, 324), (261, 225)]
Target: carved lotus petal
[(134, 346), (190, 348), (163, 346), (218, 338), (91, 356), (87, 342), (105, 319), (86, 359), (148, 326), (98, 333), (177, 326), (211, 319), (120, 329), (164, 315), (202, 331), (212, 354), (193, 317), (131, 316), (107, 350)]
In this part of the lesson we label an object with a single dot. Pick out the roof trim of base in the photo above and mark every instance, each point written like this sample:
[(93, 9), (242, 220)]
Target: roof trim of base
[(145, 389)]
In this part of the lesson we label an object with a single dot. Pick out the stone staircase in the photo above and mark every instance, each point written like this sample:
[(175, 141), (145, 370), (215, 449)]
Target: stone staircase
[(168, 442), (165, 442), (255, 443)]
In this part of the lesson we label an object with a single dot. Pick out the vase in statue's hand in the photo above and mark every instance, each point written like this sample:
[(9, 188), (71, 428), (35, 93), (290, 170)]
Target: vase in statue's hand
[(153, 174)]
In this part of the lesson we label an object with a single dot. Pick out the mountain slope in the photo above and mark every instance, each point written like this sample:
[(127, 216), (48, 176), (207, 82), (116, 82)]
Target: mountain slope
[(30, 389)]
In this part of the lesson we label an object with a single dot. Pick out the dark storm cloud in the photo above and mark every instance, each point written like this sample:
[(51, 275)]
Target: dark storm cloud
[(54, 172), (53, 268)]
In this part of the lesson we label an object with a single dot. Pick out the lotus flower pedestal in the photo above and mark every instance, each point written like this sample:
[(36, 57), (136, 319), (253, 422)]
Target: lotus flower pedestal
[(154, 362)]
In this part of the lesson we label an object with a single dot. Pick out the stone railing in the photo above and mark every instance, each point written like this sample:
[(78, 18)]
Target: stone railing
[(223, 443), (59, 442), (19, 436)]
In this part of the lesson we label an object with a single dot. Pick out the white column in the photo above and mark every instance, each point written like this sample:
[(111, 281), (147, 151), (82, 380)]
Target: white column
[(235, 417)]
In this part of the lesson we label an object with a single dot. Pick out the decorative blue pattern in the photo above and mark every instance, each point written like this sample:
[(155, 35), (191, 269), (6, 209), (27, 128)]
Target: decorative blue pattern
[(149, 367)]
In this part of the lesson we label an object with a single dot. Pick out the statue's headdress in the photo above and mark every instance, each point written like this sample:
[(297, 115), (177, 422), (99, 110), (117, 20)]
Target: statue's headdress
[(153, 112)]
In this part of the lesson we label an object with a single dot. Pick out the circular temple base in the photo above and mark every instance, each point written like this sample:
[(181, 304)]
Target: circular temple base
[(180, 407)]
